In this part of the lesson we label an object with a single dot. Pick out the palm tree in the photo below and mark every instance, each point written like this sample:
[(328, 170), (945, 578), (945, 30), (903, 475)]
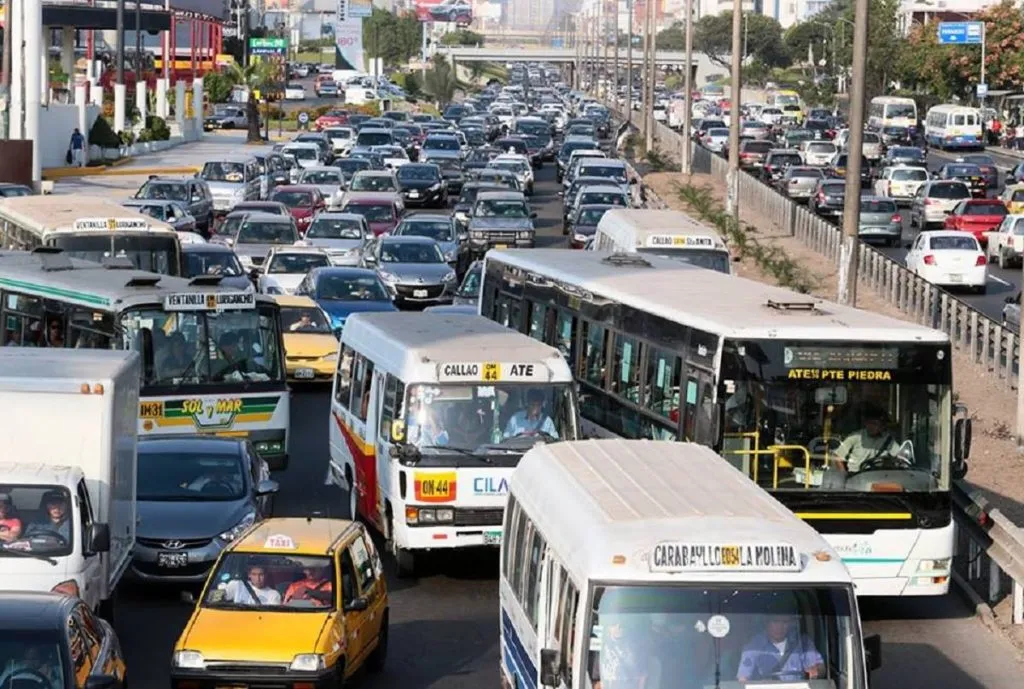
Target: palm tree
[(476, 71), (440, 81), (257, 76)]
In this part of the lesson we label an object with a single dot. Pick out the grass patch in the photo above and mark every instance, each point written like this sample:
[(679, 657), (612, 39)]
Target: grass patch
[(492, 70), (772, 260), (657, 159)]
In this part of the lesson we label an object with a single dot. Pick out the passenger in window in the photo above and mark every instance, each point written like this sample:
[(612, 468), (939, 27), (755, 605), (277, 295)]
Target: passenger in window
[(55, 332), (469, 427), (869, 443), (10, 525), (431, 430), (235, 357), (57, 521), (253, 590), (176, 361), (314, 586), (622, 662), (780, 653), (532, 420)]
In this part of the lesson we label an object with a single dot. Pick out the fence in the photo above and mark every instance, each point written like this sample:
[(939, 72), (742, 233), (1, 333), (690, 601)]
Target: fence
[(989, 548)]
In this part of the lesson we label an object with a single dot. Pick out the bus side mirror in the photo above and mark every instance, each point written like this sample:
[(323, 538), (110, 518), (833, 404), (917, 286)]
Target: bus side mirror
[(550, 666), (962, 432), (873, 652)]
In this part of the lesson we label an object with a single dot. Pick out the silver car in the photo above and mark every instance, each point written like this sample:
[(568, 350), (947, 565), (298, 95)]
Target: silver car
[(329, 180), (716, 139), (799, 182), (935, 200), (443, 230), (171, 212), (195, 495), (258, 233), (414, 268), (231, 180), (880, 220), (342, 235)]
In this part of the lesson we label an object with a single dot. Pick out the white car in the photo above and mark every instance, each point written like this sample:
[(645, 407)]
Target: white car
[(519, 165), (949, 258), (771, 116), (294, 91), (284, 268), (900, 182), (394, 156), (306, 155), (342, 139), (329, 180), (1006, 243), (716, 139), (818, 153)]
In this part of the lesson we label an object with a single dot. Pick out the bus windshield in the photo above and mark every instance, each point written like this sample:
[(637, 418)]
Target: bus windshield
[(149, 252), (706, 636), (704, 258), (488, 419), (206, 347), (847, 417)]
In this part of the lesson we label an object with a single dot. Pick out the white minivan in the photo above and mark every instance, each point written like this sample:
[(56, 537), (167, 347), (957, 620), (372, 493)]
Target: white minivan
[(667, 233)]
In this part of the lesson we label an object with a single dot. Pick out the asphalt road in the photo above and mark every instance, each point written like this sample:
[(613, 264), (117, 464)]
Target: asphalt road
[(445, 624)]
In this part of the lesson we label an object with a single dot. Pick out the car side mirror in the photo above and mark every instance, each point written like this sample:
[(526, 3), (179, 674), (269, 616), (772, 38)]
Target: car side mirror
[(266, 487), (533, 215), (963, 432), (97, 538), (356, 605), (187, 597), (550, 667), (873, 652), (102, 682)]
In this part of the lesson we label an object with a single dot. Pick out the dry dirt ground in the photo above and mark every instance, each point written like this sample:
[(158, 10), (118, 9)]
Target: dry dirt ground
[(995, 466)]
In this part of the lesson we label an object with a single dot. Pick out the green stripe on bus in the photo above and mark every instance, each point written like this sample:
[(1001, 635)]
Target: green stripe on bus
[(55, 291)]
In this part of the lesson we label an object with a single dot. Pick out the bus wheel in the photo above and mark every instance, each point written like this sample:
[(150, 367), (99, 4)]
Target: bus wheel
[(405, 560), (353, 496)]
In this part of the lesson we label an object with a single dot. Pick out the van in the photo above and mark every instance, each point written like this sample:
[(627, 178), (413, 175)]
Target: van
[(667, 233), (232, 180)]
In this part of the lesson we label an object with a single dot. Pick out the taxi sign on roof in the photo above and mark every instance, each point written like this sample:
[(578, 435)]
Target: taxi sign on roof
[(492, 372), (279, 541), (686, 240), (110, 224), (209, 301), (717, 557)]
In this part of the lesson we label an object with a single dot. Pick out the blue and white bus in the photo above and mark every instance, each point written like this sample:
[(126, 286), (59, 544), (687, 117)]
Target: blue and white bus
[(954, 126), (891, 112)]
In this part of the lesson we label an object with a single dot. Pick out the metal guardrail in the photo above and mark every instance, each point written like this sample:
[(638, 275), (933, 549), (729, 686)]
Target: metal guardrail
[(988, 548)]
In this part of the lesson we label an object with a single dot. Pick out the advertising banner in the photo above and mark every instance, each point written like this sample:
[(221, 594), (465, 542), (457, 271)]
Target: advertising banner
[(360, 8), (458, 11), (348, 37)]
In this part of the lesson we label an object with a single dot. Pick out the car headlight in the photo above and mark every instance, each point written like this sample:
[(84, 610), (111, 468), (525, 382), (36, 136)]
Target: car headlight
[(477, 234), (236, 530), (333, 356), (449, 277), (524, 234), (192, 660), (307, 662), (435, 186), (388, 277), (579, 237)]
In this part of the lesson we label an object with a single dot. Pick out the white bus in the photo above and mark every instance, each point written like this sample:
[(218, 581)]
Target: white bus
[(783, 385), (887, 112), (616, 545), (430, 414), (666, 233), (213, 358), (89, 228), (954, 126)]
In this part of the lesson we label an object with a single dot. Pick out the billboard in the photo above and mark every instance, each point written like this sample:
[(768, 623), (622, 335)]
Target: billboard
[(457, 11), (348, 38)]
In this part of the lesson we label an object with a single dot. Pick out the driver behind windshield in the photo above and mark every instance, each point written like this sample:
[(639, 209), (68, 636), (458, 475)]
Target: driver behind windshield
[(57, 520), (870, 442), (10, 525), (532, 420)]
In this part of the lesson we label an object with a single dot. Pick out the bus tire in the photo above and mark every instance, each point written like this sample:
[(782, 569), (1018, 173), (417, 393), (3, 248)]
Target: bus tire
[(405, 560), (353, 495)]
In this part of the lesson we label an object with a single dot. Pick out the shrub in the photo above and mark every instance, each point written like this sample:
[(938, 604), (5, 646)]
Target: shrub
[(157, 127), (103, 135)]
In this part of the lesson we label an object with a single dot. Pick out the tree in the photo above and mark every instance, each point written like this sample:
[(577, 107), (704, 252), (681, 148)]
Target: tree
[(885, 43), (257, 76), (672, 38), (712, 35), (462, 37), (395, 38), (440, 81)]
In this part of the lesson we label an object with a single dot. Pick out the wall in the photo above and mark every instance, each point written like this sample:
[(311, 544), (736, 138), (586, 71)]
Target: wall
[(58, 122)]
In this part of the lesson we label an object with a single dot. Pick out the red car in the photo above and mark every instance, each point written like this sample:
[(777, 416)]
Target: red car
[(333, 118), (302, 201), (977, 216), (381, 210)]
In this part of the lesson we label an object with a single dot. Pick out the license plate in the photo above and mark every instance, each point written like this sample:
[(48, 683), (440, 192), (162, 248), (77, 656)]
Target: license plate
[(956, 277), (419, 293), (305, 373), (172, 560), (151, 410), (413, 194), (492, 538)]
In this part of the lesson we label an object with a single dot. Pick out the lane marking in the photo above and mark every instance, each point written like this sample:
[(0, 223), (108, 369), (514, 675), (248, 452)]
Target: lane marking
[(999, 280)]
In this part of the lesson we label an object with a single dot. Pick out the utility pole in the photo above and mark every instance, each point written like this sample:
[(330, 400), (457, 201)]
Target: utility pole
[(6, 86), (120, 41), (615, 62), (629, 64), (847, 292), (732, 181), (649, 76), (138, 40), (644, 119), (687, 153)]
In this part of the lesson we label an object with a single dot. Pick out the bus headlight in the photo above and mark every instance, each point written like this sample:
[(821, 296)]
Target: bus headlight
[(934, 565), (429, 516)]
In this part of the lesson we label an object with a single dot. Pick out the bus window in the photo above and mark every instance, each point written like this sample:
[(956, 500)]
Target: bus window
[(343, 384), (594, 356), (534, 574), (537, 318), (661, 390), (625, 368), (361, 383), (394, 390), (565, 337)]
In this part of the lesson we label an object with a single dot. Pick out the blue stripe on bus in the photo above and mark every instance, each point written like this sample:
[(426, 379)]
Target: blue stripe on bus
[(515, 656)]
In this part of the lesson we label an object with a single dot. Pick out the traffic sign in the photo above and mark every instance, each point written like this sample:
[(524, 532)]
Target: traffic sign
[(303, 117), (268, 46), (961, 33), (982, 90)]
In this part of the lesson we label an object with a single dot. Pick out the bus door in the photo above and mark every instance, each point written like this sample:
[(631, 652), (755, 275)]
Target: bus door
[(389, 392), (356, 416)]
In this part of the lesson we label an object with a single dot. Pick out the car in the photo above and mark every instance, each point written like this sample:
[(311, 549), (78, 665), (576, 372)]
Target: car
[(327, 89), (415, 268), (1013, 198), (210, 259), (373, 181), (393, 155), (302, 200), (600, 193), (192, 193), (1006, 243), (297, 599), (227, 117), (900, 182), (310, 342), (54, 641), (518, 165), (872, 146), (382, 210), (464, 204), (905, 155), (468, 293), (10, 190), (196, 494), (257, 234), (500, 219), (880, 220), (753, 153), (459, 11), (582, 224), (948, 259), (453, 175), (340, 292), (331, 118), (442, 229), (171, 212), (969, 174), (421, 184), (294, 91), (328, 180), (829, 197), (935, 200), (440, 145), (800, 181), (977, 216), (342, 139), (350, 166), (818, 153), (341, 235), (986, 164), (715, 139), (284, 268), (1011, 313), (837, 168)]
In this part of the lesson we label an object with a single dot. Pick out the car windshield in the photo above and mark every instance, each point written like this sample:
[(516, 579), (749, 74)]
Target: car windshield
[(536, 128), (483, 155), (441, 143), (296, 263), (715, 635), (512, 145), (366, 138), (877, 206), (613, 172), (784, 159), (487, 419), (374, 182), (514, 166), (15, 190), (353, 165), (175, 475), (871, 138), (419, 173), (293, 199), (351, 288), (963, 243), (821, 147), (470, 287), (27, 655), (979, 159), (591, 216), (304, 319), (373, 212), (439, 230), (335, 228), (906, 153), (223, 263), (757, 146), (260, 232), (332, 177), (223, 172), (910, 175), (985, 209), (152, 210), (410, 252), (963, 171), (301, 152), (276, 581), (501, 208), (162, 191), (336, 134), (806, 173), (834, 189), (602, 198), (1017, 196), (949, 191), (35, 521)]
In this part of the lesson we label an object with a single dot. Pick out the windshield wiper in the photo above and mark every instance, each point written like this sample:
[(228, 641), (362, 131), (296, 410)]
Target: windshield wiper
[(28, 553), (462, 451)]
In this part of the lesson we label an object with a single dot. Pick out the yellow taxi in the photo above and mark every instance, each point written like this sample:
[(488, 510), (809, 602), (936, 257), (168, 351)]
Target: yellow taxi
[(272, 612), (310, 346), (1013, 198)]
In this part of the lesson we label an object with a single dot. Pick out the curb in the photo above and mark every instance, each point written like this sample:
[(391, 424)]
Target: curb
[(140, 171), (981, 609), (115, 171)]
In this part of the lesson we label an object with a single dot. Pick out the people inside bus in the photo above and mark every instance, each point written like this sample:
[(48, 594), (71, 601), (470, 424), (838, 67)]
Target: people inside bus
[(780, 652), (314, 586), (10, 524), (870, 442), (233, 351), (55, 332), (252, 590), (469, 427), (432, 431), (622, 662), (176, 360), (532, 420)]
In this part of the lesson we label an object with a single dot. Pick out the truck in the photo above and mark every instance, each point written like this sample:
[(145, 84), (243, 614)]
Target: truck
[(68, 471)]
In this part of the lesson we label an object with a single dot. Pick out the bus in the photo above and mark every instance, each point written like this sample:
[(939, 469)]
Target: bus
[(617, 544), (666, 233), (787, 388), (891, 112), (954, 126), (213, 358), (784, 97), (89, 228), (428, 419)]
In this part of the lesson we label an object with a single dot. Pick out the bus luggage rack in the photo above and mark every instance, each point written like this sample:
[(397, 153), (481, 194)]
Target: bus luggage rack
[(791, 305)]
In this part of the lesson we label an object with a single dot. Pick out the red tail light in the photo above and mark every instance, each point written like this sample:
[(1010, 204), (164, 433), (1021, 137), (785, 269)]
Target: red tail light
[(929, 260), (896, 218), (981, 261), (928, 202), (821, 196)]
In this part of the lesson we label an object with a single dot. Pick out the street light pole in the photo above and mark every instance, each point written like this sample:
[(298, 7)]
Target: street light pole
[(120, 41), (650, 74), (847, 291), (686, 155), (629, 65), (732, 181), (644, 120), (615, 63)]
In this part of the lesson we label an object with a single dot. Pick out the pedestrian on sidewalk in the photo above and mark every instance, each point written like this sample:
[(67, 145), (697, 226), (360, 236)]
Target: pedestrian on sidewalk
[(1018, 136), (995, 131), (77, 148)]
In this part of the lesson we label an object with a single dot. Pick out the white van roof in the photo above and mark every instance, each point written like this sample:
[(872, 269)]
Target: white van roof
[(634, 228)]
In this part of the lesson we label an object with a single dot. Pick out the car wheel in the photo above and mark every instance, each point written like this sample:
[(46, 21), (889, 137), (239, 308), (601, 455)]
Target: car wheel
[(375, 661), (1004, 262)]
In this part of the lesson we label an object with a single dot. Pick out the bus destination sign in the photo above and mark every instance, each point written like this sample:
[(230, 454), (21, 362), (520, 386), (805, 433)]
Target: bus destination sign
[(209, 301), (717, 557), (109, 224), (691, 241), (492, 372)]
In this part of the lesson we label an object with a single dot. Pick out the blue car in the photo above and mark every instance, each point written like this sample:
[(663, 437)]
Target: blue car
[(344, 291)]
